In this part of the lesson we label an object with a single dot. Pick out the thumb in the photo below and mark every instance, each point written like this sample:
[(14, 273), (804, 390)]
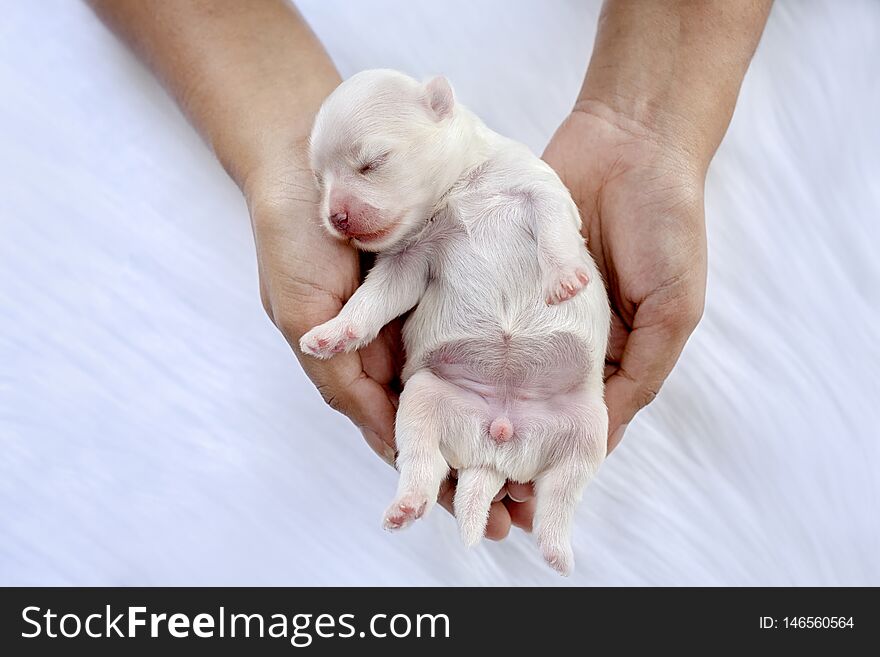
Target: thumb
[(648, 357)]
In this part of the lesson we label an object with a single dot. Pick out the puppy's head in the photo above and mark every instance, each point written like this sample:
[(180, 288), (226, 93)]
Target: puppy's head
[(380, 150)]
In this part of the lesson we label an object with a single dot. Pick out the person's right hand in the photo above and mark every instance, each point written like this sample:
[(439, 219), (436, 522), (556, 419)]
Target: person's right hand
[(305, 278)]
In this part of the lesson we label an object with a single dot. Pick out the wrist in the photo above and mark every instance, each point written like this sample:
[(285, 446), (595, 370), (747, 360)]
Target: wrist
[(692, 132), (269, 160), (266, 147), (276, 171), (671, 140), (673, 69), (250, 76)]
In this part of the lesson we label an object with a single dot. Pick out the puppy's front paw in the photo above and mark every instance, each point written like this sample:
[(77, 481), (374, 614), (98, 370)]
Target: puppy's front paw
[(330, 338), (404, 510), (565, 281)]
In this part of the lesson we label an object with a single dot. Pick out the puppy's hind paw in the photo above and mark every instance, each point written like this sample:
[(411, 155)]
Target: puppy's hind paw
[(404, 511), (564, 282), (560, 558), (328, 339)]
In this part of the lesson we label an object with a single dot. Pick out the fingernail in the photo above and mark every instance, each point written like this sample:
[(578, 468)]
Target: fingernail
[(385, 452), (514, 490), (617, 437), (390, 455)]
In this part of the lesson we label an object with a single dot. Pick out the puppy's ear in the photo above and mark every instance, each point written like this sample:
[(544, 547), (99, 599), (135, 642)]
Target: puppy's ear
[(439, 98)]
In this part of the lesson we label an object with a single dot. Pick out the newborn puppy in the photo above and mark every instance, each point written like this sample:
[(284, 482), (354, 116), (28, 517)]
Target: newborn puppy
[(506, 345)]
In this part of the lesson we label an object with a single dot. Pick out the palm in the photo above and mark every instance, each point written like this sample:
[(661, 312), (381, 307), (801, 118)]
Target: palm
[(643, 220)]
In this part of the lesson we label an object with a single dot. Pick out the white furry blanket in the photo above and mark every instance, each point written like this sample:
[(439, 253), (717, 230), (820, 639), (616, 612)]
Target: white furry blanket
[(155, 428)]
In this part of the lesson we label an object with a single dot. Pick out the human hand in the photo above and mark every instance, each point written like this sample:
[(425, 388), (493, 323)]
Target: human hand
[(305, 278), (640, 195)]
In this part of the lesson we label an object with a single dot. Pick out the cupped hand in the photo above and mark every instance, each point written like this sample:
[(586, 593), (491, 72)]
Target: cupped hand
[(306, 276), (640, 195)]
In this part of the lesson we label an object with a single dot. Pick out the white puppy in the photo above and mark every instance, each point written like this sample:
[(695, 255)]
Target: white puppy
[(505, 348)]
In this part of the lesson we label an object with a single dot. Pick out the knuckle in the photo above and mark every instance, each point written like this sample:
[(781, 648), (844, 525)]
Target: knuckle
[(331, 397), (679, 303), (641, 392), (692, 312), (683, 314), (645, 395), (267, 302), (694, 309)]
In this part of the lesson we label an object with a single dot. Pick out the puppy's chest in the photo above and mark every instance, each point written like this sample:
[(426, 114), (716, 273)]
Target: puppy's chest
[(483, 222), (462, 253)]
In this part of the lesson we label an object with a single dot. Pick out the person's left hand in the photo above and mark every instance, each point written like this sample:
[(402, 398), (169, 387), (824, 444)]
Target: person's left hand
[(640, 195)]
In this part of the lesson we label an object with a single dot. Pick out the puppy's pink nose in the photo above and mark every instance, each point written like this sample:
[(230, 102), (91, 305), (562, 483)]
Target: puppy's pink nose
[(340, 221)]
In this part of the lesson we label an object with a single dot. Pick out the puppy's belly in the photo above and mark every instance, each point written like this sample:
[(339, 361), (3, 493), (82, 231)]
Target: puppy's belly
[(511, 370), (520, 393)]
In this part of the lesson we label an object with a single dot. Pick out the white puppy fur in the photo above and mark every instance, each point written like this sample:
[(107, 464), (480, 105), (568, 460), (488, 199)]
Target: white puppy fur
[(506, 344)]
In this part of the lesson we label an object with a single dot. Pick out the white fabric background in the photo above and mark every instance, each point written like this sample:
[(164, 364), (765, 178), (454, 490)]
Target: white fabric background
[(155, 429)]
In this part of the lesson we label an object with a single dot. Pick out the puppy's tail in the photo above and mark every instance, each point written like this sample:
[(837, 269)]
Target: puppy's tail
[(473, 496)]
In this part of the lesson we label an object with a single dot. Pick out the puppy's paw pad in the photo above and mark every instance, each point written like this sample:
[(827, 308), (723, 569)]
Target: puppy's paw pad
[(404, 511), (560, 559), (564, 283), (327, 339)]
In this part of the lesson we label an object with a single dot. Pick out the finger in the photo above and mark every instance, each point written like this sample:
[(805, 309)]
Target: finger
[(498, 526), (617, 339), (379, 446), (447, 494), (648, 357), (520, 492), (522, 514), (367, 405), (500, 494)]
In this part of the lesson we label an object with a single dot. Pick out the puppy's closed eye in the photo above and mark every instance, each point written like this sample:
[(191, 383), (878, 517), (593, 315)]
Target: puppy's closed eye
[(373, 164)]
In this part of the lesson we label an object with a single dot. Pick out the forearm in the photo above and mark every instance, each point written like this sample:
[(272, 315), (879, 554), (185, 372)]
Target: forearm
[(674, 66), (250, 75)]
